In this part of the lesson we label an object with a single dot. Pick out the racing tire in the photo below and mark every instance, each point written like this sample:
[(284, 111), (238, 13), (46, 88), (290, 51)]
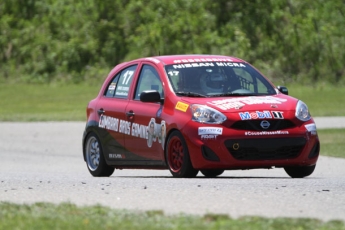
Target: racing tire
[(95, 159), (212, 173), (177, 157), (299, 171)]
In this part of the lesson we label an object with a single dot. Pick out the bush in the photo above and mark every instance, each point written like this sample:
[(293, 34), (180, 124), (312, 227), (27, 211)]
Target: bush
[(65, 40)]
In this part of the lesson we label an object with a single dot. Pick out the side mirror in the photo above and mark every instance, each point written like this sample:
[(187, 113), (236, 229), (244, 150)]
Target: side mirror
[(283, 90), (151, 96)]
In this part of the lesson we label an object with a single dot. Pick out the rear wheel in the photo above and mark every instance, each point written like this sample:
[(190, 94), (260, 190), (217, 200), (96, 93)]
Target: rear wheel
[(177, 157), (299, 171), (211, 173), (94, 158)]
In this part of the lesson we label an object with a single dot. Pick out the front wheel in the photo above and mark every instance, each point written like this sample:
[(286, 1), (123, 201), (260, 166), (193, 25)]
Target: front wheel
[(177, 157), (299, 171), (94, 158), (211, 173)]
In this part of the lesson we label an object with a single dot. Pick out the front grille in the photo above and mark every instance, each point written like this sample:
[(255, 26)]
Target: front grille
[(254, 125), (265, 149)]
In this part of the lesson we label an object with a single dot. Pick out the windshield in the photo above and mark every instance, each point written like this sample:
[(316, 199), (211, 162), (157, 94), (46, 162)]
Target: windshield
[(217, 79)]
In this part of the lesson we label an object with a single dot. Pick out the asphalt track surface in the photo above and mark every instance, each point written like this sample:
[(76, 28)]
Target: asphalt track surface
[(42, 162)]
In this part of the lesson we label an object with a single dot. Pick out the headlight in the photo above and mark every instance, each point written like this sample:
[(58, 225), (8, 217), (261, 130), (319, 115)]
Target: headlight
[(302, 112), (207, 115)]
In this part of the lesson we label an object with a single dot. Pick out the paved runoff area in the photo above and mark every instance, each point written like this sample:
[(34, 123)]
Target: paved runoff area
[(42, 162)]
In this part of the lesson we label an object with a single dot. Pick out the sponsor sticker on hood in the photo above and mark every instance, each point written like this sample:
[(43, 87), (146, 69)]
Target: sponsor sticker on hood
[(235, 103)]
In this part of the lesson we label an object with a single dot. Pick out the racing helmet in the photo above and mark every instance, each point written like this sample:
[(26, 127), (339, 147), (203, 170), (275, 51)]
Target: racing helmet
[(211, 82)]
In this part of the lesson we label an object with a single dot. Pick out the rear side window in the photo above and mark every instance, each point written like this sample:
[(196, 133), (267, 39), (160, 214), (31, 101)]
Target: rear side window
[(120, 85), (111, 88)]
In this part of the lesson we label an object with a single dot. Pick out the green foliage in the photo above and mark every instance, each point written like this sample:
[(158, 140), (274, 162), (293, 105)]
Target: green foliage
[(81, 40), (68, 216)]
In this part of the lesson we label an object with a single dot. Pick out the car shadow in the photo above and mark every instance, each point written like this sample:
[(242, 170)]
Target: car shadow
[(204, 178)]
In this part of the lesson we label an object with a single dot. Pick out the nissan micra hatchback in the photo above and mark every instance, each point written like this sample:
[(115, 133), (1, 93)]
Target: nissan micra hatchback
[(191, 113)]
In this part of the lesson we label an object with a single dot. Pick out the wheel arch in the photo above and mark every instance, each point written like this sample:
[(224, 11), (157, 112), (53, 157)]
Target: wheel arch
[(91, 127), (177, 156), (166, 140)]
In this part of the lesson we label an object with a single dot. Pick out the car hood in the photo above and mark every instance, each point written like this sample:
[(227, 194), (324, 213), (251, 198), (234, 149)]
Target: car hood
[(278, 102)]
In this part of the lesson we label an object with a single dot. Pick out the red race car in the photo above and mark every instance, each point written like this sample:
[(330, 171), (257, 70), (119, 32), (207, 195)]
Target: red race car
[(191, 113)]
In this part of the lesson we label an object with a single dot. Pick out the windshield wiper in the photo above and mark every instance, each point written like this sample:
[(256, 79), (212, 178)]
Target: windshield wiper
[(190, 94)]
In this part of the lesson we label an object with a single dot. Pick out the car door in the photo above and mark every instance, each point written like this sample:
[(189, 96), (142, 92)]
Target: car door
[(147, 138), (111, 109)]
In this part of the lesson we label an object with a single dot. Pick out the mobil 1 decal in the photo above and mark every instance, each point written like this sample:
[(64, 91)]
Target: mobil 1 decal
[(261, 115), (151, 132)]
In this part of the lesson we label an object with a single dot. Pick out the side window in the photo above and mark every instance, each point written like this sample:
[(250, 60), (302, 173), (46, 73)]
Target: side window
[(111, 88), (148, 80), (245, 79), (124, 82), (251, 81)]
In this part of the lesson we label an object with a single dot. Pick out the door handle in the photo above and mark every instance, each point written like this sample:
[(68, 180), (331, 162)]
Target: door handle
[(100, 112), (130, 114)]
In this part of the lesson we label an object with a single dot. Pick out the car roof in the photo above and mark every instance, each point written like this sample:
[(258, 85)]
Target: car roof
[(190, 58)]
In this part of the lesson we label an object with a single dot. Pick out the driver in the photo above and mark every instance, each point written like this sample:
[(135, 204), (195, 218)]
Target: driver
[(212, 82)]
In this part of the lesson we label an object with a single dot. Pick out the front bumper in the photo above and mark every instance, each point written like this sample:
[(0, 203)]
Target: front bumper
[(241, 149)]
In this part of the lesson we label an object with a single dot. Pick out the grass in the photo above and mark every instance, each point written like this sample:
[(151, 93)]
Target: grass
[(45, 102), (332, 142), (68, 216), (29, 102), (322, 100)]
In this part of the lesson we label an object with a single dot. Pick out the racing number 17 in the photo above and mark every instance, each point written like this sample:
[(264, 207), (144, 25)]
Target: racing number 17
[(126, 77)]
